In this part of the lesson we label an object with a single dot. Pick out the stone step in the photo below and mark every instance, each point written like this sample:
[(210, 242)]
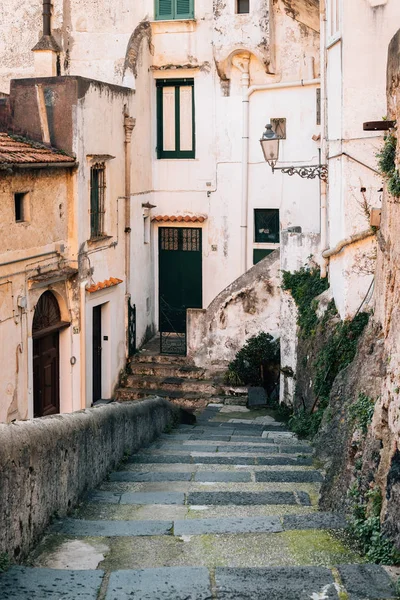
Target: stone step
[(181, 527), (173, 383), (219, 460), (201, 498), (146, 357), (357, 581), (308, 476), (235, 447), (126, 394), (162, 369)]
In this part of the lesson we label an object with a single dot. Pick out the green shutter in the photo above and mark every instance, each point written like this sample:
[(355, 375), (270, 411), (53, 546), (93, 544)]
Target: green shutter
[(164, 9), (184, 9)]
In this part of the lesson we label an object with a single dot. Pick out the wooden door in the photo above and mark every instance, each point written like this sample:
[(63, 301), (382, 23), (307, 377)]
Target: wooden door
[(96, 332), (46, 375), (180, 275)]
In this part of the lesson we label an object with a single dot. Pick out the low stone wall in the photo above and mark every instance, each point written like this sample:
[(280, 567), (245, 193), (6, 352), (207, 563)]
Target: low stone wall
[(250, 304), (47, 464)]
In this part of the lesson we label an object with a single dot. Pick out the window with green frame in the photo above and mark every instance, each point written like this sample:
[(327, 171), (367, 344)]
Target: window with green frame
[(169, 10), (175, 118)]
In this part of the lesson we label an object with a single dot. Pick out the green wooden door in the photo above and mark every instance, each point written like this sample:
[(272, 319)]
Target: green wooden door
[(180, 276)]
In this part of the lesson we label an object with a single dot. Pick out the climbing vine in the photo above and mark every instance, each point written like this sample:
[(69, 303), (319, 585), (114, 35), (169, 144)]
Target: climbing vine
[(387, 164), (339, 347)]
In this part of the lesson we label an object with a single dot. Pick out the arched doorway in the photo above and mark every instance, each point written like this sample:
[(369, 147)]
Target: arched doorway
[(46, 328)]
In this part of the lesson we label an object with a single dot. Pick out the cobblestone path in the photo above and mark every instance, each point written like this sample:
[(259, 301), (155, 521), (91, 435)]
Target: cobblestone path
[(225, 509)]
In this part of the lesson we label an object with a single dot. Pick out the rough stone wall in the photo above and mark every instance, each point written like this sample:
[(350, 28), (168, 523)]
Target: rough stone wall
[(374, 372), (47, 464), (247, 306), (386, 424)]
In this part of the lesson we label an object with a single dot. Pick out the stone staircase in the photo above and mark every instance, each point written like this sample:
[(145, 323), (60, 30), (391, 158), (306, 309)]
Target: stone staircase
[(223, 510), (176, 379)]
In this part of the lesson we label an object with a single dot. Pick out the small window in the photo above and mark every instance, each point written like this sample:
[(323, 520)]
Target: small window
[(242, 7), (175, 118), (333, 19), (266, 225), (169, 10), (259, 254), (20, 207), (97, 194)]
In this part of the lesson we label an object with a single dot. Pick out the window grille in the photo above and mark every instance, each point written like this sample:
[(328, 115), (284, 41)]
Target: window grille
[(266, 225), (97, 199), (242, 6)]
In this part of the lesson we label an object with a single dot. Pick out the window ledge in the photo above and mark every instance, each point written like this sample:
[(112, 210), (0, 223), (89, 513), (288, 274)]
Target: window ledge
[(174, 25), (101, 238), (333, 39)]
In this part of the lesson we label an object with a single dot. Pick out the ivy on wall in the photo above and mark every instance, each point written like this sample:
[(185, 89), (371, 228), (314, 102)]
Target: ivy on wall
[(387, 164)]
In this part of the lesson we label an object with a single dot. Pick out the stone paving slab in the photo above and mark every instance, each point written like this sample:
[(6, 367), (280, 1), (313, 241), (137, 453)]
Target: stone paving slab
[(244, 498), (25, 583), (103, 528), (289, 476), (290, 583), (211, 438), (152, 498), (234, 526), (135, 476), (283, 460), (104, 496), (266, 448), (224, 460), (160, 458), (174, 583), (223, 476), (303, 497), (289, 449), (315, 521), (366, 582), (186, 447)]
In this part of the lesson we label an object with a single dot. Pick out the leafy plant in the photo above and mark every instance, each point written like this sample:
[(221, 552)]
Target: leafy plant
[(305, 285), (362, 411), (387, 164), (4, 561), (306, 425), (246, 366)]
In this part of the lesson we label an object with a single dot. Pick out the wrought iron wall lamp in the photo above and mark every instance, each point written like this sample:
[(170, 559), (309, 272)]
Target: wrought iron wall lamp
[(270, 147)]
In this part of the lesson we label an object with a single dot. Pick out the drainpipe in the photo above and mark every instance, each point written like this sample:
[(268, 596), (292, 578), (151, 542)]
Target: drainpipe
[(324, 139), (242, 62), (129, 124), (46, 17), (247, 92), (82, 354)]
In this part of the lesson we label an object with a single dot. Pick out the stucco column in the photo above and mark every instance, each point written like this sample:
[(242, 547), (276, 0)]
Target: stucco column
[(129, 124)]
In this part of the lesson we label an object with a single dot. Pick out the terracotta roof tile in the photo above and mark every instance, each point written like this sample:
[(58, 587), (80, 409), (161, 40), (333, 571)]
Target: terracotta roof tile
[(180, 218), (95, 287), (17, 150)]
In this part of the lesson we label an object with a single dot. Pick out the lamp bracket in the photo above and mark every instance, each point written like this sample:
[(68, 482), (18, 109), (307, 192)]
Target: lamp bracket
[(306, 171)]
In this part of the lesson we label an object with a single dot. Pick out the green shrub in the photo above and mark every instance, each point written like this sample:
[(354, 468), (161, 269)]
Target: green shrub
[(306, 425), (387, 164), (246, 367), (362, 411), (305, 285), (4, 562)]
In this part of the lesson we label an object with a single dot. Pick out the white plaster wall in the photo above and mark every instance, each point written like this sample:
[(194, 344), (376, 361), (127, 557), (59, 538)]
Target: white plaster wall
[(356, 93)]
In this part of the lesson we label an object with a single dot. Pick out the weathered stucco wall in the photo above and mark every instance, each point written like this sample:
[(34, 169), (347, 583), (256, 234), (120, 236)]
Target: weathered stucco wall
[(249, 305), (47, 464)]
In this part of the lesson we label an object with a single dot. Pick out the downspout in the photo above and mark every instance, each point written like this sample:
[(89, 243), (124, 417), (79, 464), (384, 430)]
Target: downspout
[(82, 291), (129, 124), (324, 138), (46, 17), (247, 92)]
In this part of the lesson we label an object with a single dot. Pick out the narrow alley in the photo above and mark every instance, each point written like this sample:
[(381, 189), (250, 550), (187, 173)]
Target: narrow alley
[(223, 509)]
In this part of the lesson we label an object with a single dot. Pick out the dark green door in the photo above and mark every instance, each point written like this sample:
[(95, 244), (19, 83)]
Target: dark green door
[(180, 276)]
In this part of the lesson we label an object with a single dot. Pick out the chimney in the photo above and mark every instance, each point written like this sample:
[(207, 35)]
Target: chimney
[(46, 50)]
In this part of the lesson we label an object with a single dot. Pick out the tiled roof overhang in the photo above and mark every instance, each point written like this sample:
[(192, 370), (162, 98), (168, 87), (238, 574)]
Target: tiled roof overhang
[(179, 218), (102, 285), (19, 152)]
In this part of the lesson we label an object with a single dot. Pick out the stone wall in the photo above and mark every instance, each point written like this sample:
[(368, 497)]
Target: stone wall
[(249, 305), (48, 464)]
